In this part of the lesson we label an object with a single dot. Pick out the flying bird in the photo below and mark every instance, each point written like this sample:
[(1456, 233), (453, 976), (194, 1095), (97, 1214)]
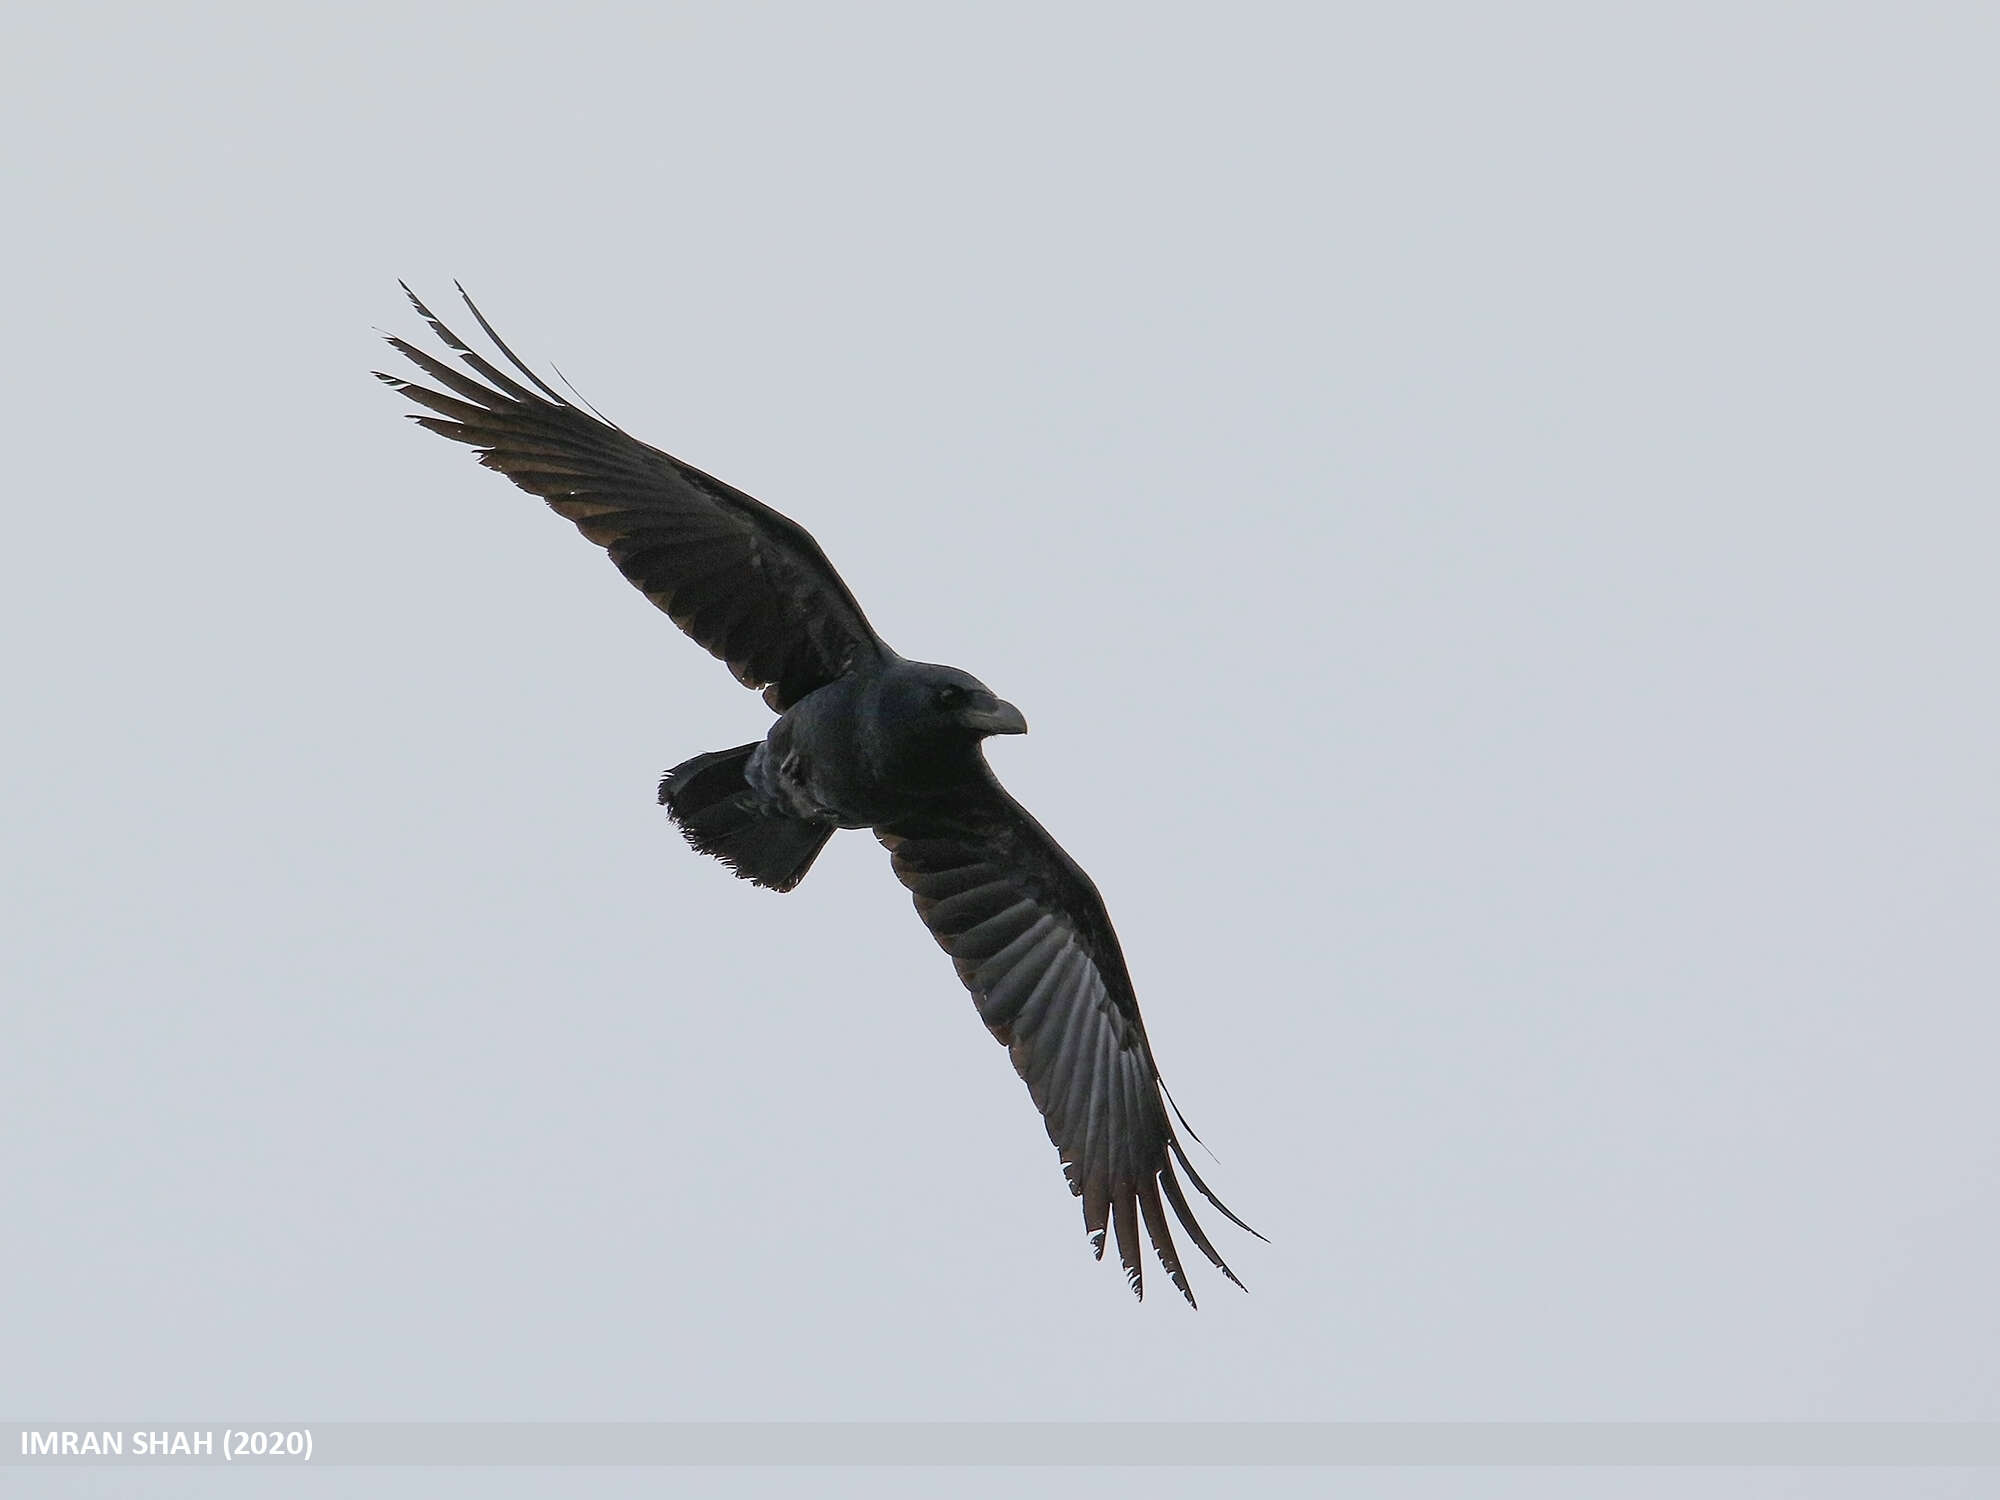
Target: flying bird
[(863, 739)]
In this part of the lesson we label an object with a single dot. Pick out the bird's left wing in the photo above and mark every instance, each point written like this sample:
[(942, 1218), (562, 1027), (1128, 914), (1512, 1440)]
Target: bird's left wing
[(747, 583), (1030, 939)]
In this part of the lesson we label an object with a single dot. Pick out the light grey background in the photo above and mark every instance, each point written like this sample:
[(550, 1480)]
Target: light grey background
[(1489, 512)]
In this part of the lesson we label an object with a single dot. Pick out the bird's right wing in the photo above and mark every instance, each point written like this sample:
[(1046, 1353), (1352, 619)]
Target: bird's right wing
[(748, 584), (1030, 938)]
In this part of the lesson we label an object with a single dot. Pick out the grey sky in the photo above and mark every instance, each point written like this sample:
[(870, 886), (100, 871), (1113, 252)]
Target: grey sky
[(1492, 521)]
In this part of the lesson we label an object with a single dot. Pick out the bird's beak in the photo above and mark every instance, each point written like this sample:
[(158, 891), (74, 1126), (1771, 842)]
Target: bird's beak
[(1000, 718)]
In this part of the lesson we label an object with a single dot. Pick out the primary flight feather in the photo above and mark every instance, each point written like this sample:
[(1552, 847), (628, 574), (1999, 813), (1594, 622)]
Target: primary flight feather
[(863, 739)]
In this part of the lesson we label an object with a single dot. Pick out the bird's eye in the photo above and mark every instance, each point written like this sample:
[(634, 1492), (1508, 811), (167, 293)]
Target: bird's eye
[(950, 697)]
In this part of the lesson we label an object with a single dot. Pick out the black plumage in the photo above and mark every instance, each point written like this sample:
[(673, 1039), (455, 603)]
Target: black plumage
[(864, 739)]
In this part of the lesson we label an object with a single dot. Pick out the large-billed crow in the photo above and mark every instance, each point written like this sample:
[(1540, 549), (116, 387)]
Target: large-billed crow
[(864, 739)]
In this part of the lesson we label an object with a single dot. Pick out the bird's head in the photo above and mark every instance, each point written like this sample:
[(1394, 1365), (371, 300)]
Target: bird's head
[(943, 702)]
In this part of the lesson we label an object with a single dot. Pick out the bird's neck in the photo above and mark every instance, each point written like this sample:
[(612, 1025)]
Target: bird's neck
[(932, 765)]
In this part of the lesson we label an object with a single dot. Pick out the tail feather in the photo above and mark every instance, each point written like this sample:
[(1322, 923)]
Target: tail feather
[(718, 813)]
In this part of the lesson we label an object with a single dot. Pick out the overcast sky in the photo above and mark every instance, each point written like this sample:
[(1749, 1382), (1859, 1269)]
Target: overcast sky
[(1489, 511)]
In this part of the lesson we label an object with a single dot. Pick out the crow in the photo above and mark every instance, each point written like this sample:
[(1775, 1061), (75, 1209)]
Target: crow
[(863, 739)]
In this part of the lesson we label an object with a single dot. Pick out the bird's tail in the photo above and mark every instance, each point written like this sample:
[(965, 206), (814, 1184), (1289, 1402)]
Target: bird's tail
[(713, 805)]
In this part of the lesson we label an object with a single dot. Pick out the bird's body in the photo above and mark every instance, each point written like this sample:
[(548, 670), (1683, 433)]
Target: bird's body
[(874, 745), (864, 739)]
